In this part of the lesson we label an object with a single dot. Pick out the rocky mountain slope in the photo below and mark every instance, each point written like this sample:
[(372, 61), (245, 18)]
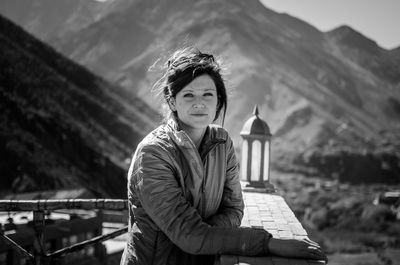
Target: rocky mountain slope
[(323, 94), (46, 18), (60, 125)]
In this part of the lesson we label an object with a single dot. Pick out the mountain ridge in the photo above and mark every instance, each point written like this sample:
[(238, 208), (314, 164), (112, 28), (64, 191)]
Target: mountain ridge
[(367, 53), (316, 90)]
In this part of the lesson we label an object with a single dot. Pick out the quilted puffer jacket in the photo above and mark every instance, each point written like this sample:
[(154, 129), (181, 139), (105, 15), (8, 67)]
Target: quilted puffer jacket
[(185, 205)]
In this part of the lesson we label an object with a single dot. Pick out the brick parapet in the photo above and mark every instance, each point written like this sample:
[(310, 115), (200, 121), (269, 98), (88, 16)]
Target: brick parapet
[(271, 212)]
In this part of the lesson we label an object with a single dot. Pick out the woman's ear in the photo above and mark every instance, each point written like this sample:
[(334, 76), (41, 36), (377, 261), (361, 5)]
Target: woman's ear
[(171, 103)]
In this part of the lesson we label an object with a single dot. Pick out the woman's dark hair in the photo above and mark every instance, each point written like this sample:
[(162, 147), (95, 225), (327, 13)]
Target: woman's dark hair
[(183, 67)]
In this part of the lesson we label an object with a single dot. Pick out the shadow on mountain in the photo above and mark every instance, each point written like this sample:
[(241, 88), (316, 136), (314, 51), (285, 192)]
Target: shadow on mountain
[(61, 126)]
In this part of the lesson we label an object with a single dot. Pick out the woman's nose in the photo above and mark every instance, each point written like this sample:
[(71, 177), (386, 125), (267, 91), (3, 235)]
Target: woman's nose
[(198, 106), (198, 103)]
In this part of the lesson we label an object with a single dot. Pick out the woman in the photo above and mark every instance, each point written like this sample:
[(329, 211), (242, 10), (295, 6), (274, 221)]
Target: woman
[(184, 192)]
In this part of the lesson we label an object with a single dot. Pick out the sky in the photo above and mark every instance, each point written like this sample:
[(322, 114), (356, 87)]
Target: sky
[(378, 20)]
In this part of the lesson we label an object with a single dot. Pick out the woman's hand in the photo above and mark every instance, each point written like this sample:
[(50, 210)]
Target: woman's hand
[(296, 248)]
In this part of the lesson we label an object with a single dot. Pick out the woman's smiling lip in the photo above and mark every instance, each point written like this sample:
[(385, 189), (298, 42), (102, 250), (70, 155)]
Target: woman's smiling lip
[(199, 114)]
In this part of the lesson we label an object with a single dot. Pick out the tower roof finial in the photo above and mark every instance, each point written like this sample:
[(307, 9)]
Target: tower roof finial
[(255, 111)]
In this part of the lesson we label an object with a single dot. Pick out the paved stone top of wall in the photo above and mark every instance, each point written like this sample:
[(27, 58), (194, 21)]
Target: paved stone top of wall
[(271, 212)]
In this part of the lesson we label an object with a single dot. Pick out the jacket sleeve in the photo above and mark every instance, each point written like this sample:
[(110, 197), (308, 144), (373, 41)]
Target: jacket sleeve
[(230, 213), (160, 195)]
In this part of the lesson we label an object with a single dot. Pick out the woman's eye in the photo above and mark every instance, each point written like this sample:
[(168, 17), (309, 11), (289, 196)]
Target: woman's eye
[(188, 95), (208, 94)]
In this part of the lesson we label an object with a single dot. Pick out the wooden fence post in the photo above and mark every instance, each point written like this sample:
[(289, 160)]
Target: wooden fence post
[(39, 240)]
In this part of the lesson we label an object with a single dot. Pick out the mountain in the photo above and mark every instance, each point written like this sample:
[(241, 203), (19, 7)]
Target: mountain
[(62, 126), (367, 54), (322, 94), (46, 18)]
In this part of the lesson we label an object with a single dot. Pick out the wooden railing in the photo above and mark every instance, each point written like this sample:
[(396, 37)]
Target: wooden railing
[(40, 256)]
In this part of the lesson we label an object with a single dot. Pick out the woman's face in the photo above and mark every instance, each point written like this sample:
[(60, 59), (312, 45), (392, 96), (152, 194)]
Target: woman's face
[(196, 103)]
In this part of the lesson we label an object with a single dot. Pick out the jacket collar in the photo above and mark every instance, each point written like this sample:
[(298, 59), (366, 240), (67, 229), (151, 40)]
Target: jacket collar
[(212, 137)]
